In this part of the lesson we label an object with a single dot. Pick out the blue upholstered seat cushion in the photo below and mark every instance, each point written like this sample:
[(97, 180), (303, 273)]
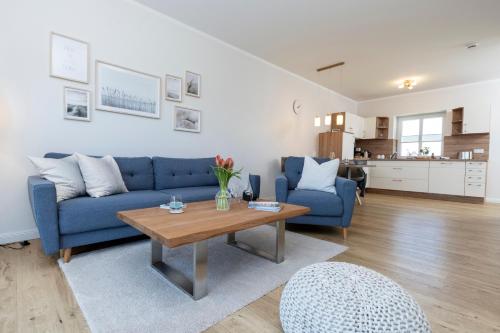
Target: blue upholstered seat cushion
[(137, 172), (183, 172), (86, 213), (293, 169), (320, 203), (191, 194)]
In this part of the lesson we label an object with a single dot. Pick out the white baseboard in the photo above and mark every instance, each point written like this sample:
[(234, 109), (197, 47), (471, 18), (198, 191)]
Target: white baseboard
[(492, 200), (18, 236)]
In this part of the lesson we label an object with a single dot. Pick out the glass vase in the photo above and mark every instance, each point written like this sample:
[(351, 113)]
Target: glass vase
[(222, 200)]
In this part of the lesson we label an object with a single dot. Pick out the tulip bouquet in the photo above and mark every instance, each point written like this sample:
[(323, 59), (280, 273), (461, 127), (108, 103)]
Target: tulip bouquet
[(224, 171)]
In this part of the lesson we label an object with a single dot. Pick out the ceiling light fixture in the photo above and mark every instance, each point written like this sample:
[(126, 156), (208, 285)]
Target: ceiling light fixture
[(408, 84), (330, 66), (471, 45)]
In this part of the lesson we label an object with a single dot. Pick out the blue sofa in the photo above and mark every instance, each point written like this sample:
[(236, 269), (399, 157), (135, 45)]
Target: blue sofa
[(327, 209), (150, 181)]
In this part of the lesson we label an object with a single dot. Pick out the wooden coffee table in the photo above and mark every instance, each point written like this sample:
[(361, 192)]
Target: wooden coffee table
[(195, 226)]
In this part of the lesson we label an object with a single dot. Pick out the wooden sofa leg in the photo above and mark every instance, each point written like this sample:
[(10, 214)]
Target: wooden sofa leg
[(67, 255), (344, 233)]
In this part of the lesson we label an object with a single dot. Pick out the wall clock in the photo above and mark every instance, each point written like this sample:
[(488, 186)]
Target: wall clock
[(296, 106)]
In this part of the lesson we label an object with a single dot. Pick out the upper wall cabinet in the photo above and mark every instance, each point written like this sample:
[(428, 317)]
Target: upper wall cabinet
[(476, 119), (469, 120), (370, 126), (354, 124)]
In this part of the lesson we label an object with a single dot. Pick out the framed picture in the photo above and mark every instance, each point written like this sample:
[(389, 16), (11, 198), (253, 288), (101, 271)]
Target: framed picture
[(186, 119), (193, 84), (123, 90), (69, 58), (76, 104), (173, 88)]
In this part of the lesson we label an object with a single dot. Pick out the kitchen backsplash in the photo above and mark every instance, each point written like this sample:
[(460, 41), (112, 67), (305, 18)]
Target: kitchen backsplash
[(378, 146), (452, 145), (467, 142)]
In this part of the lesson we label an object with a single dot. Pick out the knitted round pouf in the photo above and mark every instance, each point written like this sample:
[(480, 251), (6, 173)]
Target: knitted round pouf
[(340, 297)]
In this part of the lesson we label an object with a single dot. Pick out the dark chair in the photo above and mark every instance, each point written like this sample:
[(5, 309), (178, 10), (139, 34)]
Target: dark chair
[(359, 176)]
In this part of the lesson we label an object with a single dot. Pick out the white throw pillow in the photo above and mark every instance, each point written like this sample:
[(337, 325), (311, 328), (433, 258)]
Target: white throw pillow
[(319, 177), (101, 175), (64, 173)]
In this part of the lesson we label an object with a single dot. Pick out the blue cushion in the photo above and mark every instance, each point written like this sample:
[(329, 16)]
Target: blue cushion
[(86, 213), (183, 172), (293, 169), (137, 172), (190, 194), (321, 203)]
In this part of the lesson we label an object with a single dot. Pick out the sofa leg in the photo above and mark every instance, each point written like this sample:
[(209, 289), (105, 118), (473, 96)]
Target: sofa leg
[(67, 255), (344, 233)]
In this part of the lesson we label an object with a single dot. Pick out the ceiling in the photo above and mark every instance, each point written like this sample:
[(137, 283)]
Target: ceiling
[(380, 41)]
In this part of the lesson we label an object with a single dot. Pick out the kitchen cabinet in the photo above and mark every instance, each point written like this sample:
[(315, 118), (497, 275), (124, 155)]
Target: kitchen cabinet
[(410, 176), (354, 124), (475, 179), (476, 119), (459, 178), (370, 125), (469, 120), (446, 177)]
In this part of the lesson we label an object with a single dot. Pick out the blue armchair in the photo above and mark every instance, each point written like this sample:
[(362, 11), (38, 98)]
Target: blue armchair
[(326, 208)]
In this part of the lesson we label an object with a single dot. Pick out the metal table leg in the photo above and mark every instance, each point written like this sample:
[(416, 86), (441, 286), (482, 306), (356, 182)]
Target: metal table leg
[(196, 288), (279, 255)]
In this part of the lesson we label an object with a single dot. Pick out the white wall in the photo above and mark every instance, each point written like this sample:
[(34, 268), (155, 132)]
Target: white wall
[(470, 95), (246, 103)]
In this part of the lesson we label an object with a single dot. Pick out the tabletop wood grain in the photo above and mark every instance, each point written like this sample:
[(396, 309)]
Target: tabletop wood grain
[(202, 221)]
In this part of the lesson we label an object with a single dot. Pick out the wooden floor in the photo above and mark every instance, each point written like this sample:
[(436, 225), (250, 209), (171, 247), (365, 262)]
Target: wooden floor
[(447, 255)]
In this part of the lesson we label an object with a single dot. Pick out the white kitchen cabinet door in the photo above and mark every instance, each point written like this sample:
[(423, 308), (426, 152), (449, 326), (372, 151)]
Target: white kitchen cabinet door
[(348, 122), (477, 119), (360, 127), (369, 128), (447, 178), (354, 124), (347, 146)]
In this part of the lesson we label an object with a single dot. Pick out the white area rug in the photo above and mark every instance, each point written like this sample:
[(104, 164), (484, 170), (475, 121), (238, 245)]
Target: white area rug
[(118, 291)]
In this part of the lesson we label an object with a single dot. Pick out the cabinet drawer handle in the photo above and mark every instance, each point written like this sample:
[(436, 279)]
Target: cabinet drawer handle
[(397, 168), (397, 180)]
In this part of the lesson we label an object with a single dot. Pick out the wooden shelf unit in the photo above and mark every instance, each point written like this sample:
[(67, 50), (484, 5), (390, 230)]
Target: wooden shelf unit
[(382, 129), (457, 121), (334, 126)]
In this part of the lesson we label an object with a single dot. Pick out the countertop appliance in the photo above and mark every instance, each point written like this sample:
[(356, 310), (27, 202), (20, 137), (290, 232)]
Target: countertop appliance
[(465, 155)]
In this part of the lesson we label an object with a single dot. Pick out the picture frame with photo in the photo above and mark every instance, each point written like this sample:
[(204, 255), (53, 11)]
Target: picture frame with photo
[(76, 104), (193, 84), (123, 90), (187, 119), (69, 58), (173, 88)]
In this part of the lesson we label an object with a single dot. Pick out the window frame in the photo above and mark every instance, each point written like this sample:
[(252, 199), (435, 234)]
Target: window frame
[(420, 117)]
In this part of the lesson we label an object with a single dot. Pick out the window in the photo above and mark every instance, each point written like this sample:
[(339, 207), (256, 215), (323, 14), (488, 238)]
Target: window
[(420, 132)]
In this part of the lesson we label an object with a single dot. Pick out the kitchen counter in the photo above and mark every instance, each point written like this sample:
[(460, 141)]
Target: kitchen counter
[(453, 177)]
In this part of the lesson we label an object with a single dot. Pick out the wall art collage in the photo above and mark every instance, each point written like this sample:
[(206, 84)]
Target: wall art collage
[(119, 89)]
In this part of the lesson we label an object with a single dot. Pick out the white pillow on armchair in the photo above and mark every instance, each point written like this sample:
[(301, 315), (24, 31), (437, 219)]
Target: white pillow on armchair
[(319, 177)]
